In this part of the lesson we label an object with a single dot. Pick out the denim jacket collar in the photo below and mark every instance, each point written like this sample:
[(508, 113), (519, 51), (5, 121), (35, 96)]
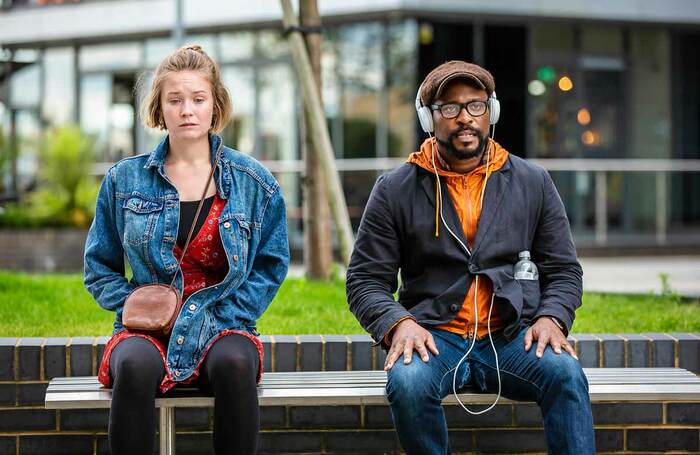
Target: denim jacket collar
[(157, 160)]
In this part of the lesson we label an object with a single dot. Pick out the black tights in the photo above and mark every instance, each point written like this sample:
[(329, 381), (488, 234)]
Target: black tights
[(228, 372)]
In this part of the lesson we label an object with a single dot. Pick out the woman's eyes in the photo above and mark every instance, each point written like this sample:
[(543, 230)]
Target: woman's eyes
[(196, 100)]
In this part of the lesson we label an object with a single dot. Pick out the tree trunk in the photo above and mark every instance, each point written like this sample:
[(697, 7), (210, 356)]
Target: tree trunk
[(318, 247), (318, 132)]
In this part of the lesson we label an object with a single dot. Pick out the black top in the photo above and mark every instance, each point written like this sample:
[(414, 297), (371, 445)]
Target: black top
[(187, 211)]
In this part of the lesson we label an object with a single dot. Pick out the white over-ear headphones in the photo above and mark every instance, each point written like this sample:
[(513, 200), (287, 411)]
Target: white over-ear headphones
[(425, 115)]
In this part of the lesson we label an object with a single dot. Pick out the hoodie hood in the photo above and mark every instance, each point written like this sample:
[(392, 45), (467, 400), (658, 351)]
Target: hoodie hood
[(424, 159)]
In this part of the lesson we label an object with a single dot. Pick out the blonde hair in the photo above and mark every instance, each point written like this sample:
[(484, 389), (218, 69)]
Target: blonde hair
[(188, 58)]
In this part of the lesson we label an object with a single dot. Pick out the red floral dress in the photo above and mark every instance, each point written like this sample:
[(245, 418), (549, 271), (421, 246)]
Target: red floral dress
[(205, 264)]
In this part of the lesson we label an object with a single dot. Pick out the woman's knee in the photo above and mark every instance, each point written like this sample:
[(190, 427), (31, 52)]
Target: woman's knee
[(231, 360), (136, 363)]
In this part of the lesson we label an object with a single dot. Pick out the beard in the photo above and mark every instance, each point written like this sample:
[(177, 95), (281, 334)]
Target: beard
[(451, 150)]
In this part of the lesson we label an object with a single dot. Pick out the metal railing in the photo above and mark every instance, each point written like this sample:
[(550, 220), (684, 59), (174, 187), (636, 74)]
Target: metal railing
[(600, 167)]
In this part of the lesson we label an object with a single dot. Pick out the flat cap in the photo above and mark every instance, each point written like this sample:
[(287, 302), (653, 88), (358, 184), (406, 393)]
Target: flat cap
[(437, 79)]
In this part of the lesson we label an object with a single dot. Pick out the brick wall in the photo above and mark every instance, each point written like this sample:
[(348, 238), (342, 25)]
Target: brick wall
[(27, 364)]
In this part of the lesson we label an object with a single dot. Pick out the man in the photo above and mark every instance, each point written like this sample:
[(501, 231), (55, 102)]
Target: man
[(455, 241)]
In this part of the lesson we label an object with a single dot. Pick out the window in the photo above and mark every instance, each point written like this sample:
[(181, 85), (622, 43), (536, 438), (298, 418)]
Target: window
[(58, 105), (402, 57), (361, 74), (236, 46), (24, 82), (240, 132)]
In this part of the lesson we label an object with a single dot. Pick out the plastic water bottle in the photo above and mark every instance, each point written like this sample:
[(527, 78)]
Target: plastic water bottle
[(525, 269)]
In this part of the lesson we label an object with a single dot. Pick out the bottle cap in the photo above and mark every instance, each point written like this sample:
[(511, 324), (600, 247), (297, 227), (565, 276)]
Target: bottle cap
[(524, 254)]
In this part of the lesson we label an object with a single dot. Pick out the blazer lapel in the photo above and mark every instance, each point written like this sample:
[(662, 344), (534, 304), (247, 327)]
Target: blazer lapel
[(448, 208), (427, 182), (495, 189)]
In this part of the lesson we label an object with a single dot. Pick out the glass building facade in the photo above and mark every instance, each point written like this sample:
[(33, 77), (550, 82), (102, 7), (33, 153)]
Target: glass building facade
[(592, 101)]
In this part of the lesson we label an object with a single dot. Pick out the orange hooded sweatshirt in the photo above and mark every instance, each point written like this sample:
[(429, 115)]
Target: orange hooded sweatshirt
[(466, 192)]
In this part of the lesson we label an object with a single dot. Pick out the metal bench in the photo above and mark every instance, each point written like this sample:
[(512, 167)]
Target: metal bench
[(367, 387)]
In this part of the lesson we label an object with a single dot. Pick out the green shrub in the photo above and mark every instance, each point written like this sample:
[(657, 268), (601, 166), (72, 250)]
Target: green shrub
[(19, 216), (66, 192)]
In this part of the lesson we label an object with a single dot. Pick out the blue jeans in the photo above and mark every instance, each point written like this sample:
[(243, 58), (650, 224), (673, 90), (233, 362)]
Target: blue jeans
[(556, 382)]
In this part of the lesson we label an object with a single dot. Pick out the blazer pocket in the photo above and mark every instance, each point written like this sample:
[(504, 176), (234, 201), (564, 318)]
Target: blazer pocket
[(531, 296)]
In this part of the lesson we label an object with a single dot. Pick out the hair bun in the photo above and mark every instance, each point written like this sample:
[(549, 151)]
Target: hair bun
[(193, 47)]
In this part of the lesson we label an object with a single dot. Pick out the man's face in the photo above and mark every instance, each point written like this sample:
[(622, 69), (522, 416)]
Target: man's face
[(463, 138)]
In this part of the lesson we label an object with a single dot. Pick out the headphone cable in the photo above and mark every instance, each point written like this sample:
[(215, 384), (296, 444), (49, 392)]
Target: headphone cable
[(476, 289)]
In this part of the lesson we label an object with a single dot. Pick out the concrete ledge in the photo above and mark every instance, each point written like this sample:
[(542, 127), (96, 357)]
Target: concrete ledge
[(40, 359)]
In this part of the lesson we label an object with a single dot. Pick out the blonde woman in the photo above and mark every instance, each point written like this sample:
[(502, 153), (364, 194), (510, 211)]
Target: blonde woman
[(232, 268)]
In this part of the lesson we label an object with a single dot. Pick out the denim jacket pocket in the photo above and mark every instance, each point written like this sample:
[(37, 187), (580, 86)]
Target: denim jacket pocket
[(140, 217), (243, 223), (244, 235)]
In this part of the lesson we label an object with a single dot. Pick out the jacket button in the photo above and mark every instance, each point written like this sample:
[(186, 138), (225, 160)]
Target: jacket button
[(454, 307), (473, 268), (180, 340), (193, 307), (177, 372), (227, 225), (235, 257)]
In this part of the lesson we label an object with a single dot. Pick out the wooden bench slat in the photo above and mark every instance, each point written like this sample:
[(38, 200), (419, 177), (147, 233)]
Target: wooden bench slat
[(591, 373), (349, 396), (334, 378), (62, 388), (594, 371)]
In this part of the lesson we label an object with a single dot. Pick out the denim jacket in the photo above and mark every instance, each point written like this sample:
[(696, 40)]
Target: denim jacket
[(137, 217)]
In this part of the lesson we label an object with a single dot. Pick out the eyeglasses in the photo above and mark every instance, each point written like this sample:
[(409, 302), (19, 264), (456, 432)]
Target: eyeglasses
[(452, 110)]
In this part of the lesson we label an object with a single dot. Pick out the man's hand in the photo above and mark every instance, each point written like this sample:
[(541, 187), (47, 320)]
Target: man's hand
[(545, 332), (407, 336)]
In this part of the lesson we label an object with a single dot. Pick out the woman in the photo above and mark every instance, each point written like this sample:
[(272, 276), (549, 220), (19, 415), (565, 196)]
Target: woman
[(233, 266)]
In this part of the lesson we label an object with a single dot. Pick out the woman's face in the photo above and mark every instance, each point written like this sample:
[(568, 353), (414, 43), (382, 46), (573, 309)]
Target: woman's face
[(188, 105)]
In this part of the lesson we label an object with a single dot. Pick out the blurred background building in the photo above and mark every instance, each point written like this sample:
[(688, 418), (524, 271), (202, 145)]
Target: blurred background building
[(606, 95)]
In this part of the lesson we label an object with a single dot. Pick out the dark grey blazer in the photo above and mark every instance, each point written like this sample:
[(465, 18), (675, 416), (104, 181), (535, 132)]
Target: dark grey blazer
[(521, 211)]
